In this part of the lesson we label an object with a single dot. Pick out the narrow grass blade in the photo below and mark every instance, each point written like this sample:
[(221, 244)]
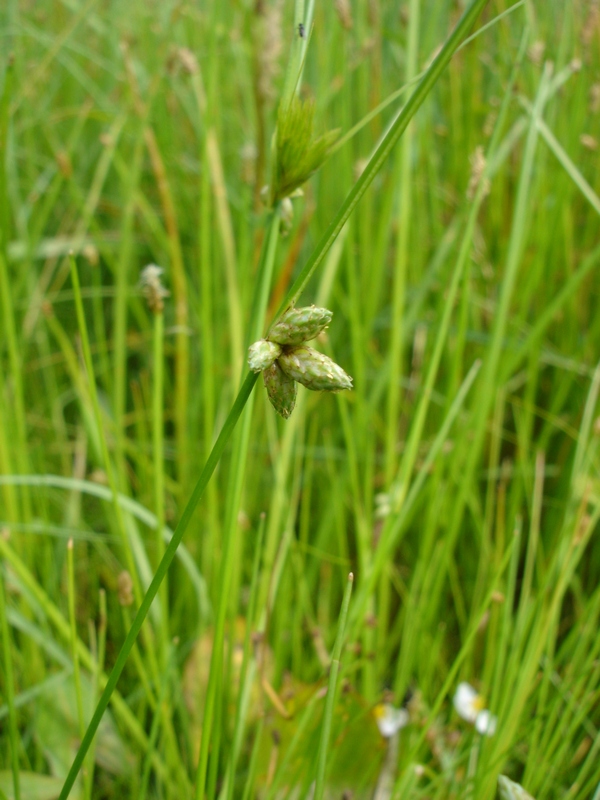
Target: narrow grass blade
[(331, 692)]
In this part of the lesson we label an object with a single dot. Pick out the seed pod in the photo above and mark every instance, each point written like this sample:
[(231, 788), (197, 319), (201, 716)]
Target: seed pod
[(299, 325), (314, 370), (281, 390), (262, 354)]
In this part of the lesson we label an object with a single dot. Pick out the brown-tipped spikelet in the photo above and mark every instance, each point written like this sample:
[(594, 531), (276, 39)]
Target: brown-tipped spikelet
[(314, 370), (299, 325), (262, 354), (281, 390)]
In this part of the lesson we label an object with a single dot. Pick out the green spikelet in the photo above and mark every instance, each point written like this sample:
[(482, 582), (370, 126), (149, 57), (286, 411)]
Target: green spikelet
[(297, 153), (299, 325), (262, 354), (281, 390), (314, 370)]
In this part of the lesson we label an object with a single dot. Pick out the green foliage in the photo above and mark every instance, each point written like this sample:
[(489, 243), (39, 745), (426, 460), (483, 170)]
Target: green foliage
[(458, 480)]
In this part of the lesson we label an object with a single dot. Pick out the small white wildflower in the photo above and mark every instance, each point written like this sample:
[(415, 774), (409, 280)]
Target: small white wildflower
[(467, 702), (486, 723), (469, 705), (390, 719)]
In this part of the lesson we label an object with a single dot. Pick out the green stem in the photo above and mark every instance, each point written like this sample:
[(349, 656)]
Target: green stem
[(239, 459), (405, 183), (158, 459), (89, 366), (73, 624), (330, 700), (10, 692)]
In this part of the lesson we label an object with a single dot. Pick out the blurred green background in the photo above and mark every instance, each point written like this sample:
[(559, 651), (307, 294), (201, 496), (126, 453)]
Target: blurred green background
[(458, 480)]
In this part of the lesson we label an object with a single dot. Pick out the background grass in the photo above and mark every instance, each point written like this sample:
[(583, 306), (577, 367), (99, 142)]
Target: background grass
[(458, 481)]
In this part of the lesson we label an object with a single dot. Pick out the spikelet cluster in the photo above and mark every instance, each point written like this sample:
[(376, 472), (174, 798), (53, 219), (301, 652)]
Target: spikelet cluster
[(285, 360)]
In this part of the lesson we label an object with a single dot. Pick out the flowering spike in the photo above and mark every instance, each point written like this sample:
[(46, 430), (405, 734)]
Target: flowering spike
[(281, 390), (314, 370), (262, 354), (299, 325), (297, 153), (151, 285)]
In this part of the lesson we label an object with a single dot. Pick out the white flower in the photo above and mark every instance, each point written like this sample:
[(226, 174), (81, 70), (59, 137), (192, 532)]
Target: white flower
[(469, 705), (467, 702), (390, 720), (486, 723)]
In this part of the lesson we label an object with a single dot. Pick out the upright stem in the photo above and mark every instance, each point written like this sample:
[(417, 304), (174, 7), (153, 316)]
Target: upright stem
[(331, 690), (403, 175), (10, 692), (158, 461), (239, 459)]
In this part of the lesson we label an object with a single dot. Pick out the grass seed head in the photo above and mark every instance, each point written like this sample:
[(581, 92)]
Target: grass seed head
[(281, 389), (262, 354), (299, 325), (152, 287), (314, 370)]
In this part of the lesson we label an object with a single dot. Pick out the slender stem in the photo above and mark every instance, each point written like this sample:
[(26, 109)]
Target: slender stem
[(331, 689), (89, 366), (9, 687), (404, 214), (247, 671), (73, 625), (239, 459), (97, 671), (158, 459)]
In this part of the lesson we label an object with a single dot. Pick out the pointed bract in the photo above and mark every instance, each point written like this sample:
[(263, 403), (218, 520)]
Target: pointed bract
[(281, 389), (297, 153), (262, 354), (314, 370), (299, 325)]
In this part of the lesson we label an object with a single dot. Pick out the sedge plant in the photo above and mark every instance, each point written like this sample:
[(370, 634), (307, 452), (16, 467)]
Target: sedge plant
[(387, 144)]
